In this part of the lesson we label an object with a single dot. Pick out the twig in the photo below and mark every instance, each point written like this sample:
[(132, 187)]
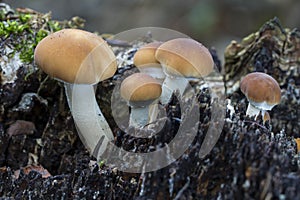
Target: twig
[(183, 189)]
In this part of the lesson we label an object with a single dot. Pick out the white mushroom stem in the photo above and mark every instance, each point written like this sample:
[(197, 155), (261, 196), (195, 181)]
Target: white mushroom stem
[(139, 116), (171, 84), (153, 111), (254, 111), (154, 70), (91, 125)]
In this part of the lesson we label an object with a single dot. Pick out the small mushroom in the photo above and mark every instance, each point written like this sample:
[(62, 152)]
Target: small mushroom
[(80, 60), (140, 90), (263, 93), (144, 59), (181, 59)]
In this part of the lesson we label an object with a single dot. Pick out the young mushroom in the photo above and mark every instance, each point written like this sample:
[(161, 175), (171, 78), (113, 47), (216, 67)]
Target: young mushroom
[(80, 60), (144, 59), (140, 90), (263, 93), (182, 58)]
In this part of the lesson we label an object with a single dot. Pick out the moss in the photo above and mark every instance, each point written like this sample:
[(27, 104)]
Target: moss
[(22, 32), (24, 28)]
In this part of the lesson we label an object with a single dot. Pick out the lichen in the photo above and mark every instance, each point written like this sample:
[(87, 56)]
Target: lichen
[(11, 63)]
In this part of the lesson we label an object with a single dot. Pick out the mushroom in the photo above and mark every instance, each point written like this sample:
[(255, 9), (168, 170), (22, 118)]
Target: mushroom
[(140, 90), (80, 60), (144, 59), (263, 93), (182, 58)]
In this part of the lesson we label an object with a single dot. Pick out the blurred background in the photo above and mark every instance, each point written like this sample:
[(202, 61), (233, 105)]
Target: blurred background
[(212, 22)]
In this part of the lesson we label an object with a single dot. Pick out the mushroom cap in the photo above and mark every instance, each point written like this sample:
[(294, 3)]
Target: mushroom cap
[(186, 57), (75, 56), (261, 90), (145, 56), (140, 87)]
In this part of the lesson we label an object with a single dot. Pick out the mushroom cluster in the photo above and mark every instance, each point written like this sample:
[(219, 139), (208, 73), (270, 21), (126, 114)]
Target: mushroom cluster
[(173, 63), (263, 93), (81, 60)]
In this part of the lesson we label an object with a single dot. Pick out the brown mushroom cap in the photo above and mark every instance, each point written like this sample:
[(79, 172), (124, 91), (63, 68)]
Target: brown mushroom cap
[(260, 89), (140, 87), (185, 56), (75, 56), (145, 56)]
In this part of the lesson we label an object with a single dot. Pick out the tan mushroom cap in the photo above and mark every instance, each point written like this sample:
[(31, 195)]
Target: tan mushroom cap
[(140, 87), (75, 56), (185, 56), (145, 56), (261, 90)]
